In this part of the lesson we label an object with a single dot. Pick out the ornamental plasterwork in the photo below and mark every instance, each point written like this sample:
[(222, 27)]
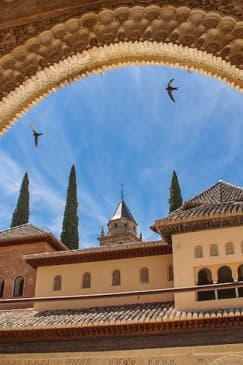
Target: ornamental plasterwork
[(192, 38), (123, 361), (228, 360), (78, 362), (162, 360)]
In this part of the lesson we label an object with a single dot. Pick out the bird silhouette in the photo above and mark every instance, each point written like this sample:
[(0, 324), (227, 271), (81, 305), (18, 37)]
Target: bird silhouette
[(170, 88), (35, 134)]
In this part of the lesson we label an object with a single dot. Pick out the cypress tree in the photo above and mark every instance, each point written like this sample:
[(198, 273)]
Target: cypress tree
[(21, 213), (69, 235), (175, 200)]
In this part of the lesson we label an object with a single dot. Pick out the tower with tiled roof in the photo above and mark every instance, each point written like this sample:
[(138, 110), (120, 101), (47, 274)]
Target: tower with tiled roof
[(206, 237), (221, 205), (122, 227)]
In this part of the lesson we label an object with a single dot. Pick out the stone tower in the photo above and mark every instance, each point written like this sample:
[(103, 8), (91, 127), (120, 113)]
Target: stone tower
[(122, 227)]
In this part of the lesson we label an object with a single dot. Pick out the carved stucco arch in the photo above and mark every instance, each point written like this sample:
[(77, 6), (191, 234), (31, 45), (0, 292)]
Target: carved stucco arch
[(207, 41)]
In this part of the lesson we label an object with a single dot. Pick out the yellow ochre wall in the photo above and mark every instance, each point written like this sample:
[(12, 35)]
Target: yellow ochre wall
[(186, 266), (101, 281)]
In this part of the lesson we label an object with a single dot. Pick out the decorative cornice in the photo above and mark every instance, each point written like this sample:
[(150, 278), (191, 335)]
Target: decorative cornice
[(50, 57)]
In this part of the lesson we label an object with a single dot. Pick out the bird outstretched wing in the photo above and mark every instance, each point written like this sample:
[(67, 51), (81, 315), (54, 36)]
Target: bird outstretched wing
[(36, 140), (33, 129), (171, 95), (170, 82)]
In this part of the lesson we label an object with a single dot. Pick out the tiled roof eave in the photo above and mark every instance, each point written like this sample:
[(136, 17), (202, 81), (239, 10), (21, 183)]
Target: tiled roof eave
[(119, 329), (168, 228), (48, 237), (168, 221), (99, 254)]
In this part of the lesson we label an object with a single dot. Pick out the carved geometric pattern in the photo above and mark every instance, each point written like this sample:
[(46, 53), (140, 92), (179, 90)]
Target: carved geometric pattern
[(229, 360), (162, 360), (216, 37), (78, 362), (10, 362), (37, 362), (123, 361)]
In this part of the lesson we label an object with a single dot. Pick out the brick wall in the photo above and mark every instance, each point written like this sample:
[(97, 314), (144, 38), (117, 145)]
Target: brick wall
[(12, 265)]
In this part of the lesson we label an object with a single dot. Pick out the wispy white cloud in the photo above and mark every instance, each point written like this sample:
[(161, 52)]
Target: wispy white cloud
[(122, 128)]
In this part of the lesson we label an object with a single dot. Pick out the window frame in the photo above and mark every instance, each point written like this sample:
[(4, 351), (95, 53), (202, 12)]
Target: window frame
[(2, 287), (229, 248), (57, 283), (86, 280), (116, 277), (211, 250), (196, 250), (144, 275), (18, 292)]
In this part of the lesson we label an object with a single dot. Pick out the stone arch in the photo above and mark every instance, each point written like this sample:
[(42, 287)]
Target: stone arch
[(51, 54)]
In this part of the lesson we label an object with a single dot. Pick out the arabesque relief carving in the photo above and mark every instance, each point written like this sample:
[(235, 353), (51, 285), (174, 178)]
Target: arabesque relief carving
[(123, 361), (162, 360), (205, 35), (37, 362), (78, 362)]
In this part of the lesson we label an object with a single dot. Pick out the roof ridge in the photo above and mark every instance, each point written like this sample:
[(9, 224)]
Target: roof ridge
[(23, 225), (230, 184), (218, 185)]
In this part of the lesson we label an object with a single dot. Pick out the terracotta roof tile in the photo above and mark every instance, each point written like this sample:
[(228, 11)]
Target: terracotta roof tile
[(219, 203), (24, 230), (99, 253), (29, 233), (133, 313)]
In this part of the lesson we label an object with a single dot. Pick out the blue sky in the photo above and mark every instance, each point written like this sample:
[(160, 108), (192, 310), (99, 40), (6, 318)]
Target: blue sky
[(122, 128)]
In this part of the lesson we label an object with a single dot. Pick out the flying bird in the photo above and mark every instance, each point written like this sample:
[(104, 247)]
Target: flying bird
[(170, 88), (35, 134)]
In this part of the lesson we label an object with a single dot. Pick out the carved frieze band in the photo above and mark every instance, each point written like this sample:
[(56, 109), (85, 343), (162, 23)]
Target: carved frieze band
[(192, 37), (10, 37), (209, 32), (154, 360)]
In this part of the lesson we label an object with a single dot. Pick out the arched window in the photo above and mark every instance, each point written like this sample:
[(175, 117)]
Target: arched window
[(144, 275), (86, 283), (214, 250), (204, 277), (57, 283), (240, 278), (18, 286), (198, 251), (229, 248), (225, 276), (2, 284), (170, 273), (241, 246), (116, 278)]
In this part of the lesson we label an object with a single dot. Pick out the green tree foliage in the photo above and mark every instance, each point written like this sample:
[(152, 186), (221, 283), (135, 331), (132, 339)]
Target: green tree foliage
[(69, 235), (175, 200), (21, 213)]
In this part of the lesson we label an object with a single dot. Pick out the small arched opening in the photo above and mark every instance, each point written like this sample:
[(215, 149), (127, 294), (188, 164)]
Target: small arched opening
[(18, 290), (205, 278), (225, 276)]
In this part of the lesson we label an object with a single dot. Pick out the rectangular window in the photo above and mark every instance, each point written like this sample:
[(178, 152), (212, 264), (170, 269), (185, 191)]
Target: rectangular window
[(170, 273)]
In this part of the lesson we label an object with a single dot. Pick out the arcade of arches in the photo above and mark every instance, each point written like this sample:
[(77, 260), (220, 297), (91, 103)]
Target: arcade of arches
[(46, 44)]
